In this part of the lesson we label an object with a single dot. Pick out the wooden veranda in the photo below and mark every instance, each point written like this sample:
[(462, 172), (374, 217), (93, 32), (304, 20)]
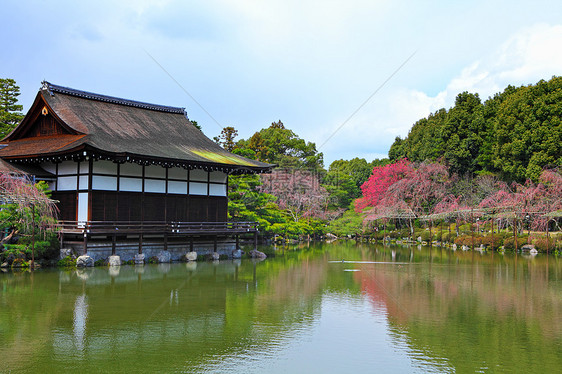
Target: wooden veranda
[(85, 231)]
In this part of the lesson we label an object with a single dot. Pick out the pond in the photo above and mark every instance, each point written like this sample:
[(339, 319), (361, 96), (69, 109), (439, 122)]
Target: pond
[(388, 309)]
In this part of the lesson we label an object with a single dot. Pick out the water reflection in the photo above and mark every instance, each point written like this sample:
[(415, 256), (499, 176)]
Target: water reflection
[(80, 318), (398, 309)]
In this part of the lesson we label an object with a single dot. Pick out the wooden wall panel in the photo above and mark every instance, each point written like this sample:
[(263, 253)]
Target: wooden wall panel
[(154, 207), (134, 206), (67, 205)]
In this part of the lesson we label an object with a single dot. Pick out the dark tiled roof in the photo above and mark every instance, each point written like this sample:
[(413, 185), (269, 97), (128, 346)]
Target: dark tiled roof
[(124, 127), (6, 167), (53, 88), (42, 145)]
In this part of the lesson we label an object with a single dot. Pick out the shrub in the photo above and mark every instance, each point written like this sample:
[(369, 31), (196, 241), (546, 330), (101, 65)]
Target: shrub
[(467, 240), (465, 229), (20, 263), (447, 237), (101, 262), (487, 241), (541, 244), (509, 243), (394, 234), (425, 236), (68, 261), (404, 233)]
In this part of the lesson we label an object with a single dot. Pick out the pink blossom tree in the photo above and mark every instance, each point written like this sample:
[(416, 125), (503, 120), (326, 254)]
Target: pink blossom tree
[(24, 207), (403, 191), (298, 192), (375, 188)]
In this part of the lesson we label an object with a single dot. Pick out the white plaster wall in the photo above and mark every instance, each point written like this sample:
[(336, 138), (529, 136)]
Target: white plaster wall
[(154, 185), (196, 188), (218, 177), (105, 167), (155, 171), (175, 187), (49, 166), (83, 206), (104, 183), (83, 182), (177, 173), (130, 184), (217, 189), (130, 169), (68, 167), (198, 175), (66, 183)]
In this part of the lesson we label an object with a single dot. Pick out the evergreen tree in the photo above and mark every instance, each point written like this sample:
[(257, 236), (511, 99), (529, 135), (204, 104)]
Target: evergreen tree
[(10, 112)]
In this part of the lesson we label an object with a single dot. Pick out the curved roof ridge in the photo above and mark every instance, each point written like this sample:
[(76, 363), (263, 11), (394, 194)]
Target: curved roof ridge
[(52, 88)]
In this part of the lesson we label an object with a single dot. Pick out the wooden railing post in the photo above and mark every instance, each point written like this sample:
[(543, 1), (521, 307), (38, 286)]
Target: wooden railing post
[(113, 243)]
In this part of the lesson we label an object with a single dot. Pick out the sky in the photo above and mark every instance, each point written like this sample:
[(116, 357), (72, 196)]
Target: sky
[(349, 76)]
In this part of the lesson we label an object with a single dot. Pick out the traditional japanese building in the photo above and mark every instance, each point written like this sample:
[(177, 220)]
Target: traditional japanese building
[(117, 160), (112, 159)]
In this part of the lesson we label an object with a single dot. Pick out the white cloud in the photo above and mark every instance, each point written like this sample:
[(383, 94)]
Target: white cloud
[(531, 54)]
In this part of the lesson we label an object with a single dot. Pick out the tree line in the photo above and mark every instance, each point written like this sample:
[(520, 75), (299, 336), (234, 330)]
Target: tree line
[(513, 135)]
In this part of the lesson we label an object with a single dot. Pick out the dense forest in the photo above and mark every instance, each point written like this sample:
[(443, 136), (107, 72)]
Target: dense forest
[(514, 135)]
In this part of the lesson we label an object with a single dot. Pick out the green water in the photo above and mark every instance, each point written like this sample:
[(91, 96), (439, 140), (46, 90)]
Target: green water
[(383, 310)]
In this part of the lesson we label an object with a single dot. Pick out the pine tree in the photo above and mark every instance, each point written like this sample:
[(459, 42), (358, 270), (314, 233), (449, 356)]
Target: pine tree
[(10, 112)]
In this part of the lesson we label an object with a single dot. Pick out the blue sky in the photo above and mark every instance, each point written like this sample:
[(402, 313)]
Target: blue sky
[(309, 63)]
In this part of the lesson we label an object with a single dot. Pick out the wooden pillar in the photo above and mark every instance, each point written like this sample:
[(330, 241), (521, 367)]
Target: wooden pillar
[(85, 243), (166, 240), (547, 243), (215, 243), (140, 244), (113, 243), (256, 240), (191, 244), (472, 229), (515, 233), (492, 234), (430, 233), (237, 242)]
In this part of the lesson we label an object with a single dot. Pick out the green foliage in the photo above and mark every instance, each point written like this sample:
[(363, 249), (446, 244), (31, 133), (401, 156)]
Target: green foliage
[(497, 240), (67, 262), (447, 237), (226, 138), (514, 134), (509, 243), (344, 179), (20, 263), (100, 262), (349, 223), (198, 126), (542, 245), (425, 236), (10, 112), (13, 252), (279, 145)]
